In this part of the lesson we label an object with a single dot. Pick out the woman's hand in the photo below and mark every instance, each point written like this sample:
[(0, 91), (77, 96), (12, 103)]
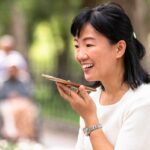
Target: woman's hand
[(81, 102)]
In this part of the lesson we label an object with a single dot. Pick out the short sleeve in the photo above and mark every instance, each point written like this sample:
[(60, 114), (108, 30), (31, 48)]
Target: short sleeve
[(135, 131)]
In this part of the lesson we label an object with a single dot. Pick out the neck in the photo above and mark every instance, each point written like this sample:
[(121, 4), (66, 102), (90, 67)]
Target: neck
[(114, 88), (113, 93), (115, 82)]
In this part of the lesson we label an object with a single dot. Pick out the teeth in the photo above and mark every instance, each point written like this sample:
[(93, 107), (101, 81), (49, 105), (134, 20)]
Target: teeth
[(87, 66)]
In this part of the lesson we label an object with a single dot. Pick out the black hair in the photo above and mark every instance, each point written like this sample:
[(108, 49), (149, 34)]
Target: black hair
[(111, 20)]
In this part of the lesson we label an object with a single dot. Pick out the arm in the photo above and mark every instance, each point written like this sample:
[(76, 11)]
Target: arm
[(85, 107)]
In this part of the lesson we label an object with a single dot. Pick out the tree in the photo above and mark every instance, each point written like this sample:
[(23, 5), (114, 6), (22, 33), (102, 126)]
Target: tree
[(24, 15)]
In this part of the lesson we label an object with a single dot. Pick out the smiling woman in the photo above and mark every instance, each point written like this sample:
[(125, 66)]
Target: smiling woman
[(93, 50), (108, 52)]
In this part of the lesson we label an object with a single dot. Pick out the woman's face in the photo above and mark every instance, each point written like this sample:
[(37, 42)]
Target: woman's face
[(95, 54)]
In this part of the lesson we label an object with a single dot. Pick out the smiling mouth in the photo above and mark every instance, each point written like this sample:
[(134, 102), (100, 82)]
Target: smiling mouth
[(87, 66)]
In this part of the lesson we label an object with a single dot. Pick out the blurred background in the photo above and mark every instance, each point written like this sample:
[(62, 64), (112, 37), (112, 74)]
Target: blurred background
[(37, 32)]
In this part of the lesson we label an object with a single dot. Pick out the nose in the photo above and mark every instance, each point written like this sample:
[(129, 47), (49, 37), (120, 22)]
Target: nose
[(81, 56)]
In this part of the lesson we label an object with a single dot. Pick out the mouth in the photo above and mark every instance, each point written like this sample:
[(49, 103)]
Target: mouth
[(87, 66)]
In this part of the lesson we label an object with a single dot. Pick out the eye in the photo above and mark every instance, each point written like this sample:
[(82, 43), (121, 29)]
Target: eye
[(89, 45), (76, 46)]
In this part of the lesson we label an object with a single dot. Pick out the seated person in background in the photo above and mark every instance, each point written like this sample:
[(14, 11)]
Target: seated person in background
[(13, 87), (19, 113), (19, 120), (7, 53)]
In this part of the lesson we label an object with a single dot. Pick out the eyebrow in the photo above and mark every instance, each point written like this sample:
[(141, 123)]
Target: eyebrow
[(84, 39)]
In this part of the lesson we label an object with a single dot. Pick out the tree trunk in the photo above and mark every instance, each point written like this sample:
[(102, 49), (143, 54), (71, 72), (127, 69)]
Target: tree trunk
[(18, 29), (63, 65)]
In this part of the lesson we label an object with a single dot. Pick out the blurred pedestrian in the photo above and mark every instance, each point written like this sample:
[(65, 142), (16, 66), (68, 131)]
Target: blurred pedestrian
[(19, 119), (18, 111), (13, 86), (8, 53)]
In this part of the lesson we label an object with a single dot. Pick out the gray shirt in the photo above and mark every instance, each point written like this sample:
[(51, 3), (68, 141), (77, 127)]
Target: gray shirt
[(11, 88)]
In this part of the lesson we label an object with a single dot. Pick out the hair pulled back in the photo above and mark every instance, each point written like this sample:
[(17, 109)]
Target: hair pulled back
[(111, 20)]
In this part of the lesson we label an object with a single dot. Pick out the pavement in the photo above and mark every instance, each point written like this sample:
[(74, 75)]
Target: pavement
[(59, 135)]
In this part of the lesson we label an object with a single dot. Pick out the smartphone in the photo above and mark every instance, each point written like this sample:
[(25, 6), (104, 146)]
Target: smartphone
[(69, 83)]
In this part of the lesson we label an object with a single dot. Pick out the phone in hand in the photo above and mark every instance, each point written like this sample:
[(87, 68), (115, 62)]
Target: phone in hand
[(66, 82)]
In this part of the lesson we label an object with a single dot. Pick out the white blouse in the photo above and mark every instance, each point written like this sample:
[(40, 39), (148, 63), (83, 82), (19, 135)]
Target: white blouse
[(126, 123)]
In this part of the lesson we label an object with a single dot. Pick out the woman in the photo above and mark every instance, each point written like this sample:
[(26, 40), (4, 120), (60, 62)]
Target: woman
[(115, 116)]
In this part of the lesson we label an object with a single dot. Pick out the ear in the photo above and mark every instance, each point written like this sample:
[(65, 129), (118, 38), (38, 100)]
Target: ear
[(120, 48)]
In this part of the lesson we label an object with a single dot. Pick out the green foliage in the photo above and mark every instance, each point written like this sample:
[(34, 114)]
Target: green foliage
[(48, 33), (52, 105), (43, 51), (20, 145), (5, 145), (4, 15), (47, 45)]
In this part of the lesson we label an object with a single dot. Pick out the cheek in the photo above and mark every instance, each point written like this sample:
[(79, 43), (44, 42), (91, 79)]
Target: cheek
[(103, 59), (76, 57), (108, 63)]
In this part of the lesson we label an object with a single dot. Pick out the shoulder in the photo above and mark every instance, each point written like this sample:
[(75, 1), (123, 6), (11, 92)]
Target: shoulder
[(15, 53), (139, 99), (144, 88), (142, 92)]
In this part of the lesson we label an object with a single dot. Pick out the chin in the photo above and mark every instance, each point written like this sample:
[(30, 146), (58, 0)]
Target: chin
[(89, 78)]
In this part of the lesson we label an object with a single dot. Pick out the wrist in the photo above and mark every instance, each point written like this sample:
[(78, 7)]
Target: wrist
[(88, 130), (91, 122)]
